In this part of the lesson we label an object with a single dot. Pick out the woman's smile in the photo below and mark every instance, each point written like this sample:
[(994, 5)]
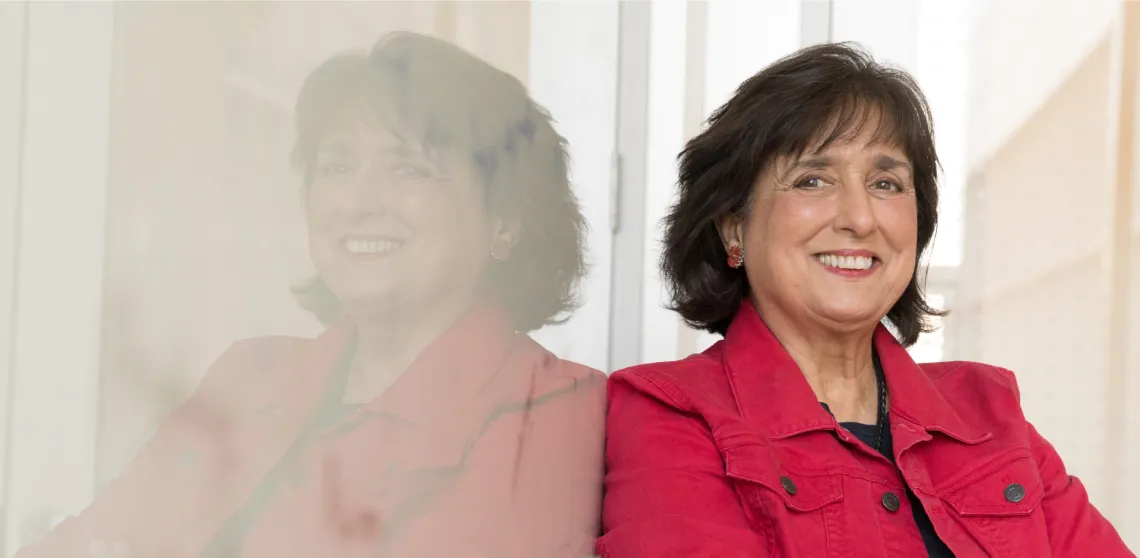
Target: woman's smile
[(849, 263)]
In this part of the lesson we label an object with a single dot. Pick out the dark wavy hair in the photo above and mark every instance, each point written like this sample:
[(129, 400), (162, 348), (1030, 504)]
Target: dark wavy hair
[(449, 101), (808, 100)]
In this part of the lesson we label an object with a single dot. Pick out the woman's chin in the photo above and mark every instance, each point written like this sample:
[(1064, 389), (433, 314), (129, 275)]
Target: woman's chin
[(370, 302), (851, 317)]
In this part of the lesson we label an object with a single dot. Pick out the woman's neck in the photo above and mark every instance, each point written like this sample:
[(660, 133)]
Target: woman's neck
[(839, 366), (387, 344)]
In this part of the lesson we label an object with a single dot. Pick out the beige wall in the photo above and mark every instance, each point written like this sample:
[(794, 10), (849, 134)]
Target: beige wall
[(1036, 291), (205, 229)]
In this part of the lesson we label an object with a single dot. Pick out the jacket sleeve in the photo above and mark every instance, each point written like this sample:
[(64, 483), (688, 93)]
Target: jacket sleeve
[(146, 507), (666, 490), (1075, 527), (531, 485)]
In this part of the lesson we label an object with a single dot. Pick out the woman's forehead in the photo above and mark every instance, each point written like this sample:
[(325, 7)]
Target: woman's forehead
[(361, 136), (881, 154)]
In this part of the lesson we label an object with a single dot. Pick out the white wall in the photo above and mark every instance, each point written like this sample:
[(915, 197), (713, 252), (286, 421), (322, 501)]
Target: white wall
[(55, 362)]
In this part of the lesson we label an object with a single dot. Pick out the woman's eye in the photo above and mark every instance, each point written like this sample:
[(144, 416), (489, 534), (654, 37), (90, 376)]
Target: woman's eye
[(333, 169), (811, 183), (888, 186), (412, 171)]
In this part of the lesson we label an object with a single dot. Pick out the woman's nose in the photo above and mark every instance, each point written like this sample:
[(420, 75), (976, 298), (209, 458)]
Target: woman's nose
[(855, 211), (370, 193)]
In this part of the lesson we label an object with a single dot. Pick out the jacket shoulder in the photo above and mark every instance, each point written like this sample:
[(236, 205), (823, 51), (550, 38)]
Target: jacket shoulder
[(255, 365), (261, 354), (690, 384), (985, 395), (531, 373), (977, 376), (264, 351)]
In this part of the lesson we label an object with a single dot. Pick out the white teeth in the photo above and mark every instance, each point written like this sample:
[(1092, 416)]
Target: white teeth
[(371, 246), (846, 262)]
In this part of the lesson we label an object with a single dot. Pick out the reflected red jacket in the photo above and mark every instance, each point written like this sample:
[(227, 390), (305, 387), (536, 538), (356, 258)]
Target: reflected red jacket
[(729, 454), (487, 446)]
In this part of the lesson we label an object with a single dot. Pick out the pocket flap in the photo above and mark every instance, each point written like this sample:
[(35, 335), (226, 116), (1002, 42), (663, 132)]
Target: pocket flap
[(754, 463), (1011, 488)]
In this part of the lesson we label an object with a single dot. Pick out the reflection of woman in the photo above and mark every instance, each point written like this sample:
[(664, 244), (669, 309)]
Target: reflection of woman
[(441, 222), (809, 431)]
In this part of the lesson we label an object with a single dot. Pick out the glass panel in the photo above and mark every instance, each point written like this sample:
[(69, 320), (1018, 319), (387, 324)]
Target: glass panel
[(210, 227)]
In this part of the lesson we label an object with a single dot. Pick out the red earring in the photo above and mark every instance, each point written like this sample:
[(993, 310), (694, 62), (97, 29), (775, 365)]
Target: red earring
[(735, 256)]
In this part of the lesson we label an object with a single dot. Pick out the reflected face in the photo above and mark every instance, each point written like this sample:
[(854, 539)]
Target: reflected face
[(831, 236), (391, 227)]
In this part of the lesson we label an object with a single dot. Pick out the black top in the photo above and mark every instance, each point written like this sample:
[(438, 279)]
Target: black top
[(866, 433), (878, 436)]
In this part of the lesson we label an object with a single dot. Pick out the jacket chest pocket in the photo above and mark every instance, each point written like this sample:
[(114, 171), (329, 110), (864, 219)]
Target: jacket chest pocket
[(1000, 508), (800, 514)]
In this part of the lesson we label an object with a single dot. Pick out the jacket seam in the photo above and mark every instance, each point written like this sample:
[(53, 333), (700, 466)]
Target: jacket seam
[(670, 390)]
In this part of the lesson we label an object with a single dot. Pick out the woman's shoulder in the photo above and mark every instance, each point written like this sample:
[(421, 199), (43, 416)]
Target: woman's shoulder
[(964, 377), (268, 363), (530, 356), (531, 373), (985, 396), (688, 384)]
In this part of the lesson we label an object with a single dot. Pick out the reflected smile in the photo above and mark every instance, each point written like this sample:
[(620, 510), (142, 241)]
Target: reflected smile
[(370, 245)]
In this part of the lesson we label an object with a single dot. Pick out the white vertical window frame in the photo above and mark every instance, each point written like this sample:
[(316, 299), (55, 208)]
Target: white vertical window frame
[(696, 84), (573, 72), (888, 28), (816, 22), (628, 270), (57, 308), (12, 22), (665, 132)]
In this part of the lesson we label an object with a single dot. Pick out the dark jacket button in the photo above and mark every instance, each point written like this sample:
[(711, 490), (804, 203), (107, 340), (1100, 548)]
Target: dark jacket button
[(891, 501), (788, 485), (1014, 493)]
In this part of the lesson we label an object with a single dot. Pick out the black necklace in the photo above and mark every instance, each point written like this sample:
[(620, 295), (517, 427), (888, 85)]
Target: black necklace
[(881, 384)]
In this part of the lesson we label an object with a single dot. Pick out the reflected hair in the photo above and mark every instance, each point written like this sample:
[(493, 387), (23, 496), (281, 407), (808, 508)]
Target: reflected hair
[(447, 101), (802, 103)]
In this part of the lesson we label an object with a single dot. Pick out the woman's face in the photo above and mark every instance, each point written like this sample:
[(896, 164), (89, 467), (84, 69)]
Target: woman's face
[(831, 236), (392, 228)]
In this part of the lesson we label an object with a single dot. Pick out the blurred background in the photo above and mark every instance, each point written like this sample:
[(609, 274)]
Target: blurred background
[(149, 216)]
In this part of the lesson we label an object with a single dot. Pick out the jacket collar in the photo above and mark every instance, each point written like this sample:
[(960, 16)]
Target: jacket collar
[(772, 394), (443, 380), (451, 373)]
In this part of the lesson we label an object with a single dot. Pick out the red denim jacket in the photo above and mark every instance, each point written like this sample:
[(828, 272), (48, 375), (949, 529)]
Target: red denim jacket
[(487, 446), (729, 454)]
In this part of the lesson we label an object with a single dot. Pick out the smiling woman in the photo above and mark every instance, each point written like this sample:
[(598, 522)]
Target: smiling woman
[(425, 421), (808, 431), (462, 176)]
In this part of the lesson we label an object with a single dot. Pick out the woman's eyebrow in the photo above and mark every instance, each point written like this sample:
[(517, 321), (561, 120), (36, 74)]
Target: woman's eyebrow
[(402, 150), (815, 162), (333, 146), (886, 162)]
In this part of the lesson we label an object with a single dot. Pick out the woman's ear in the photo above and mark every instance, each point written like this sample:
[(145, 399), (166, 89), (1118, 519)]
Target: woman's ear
[(504, 237), (731, 229)]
